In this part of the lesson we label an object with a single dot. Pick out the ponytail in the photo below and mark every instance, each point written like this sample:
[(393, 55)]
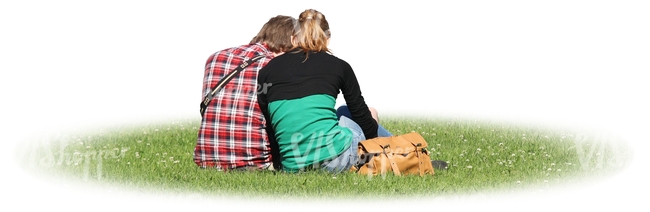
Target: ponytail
[(313, 32)]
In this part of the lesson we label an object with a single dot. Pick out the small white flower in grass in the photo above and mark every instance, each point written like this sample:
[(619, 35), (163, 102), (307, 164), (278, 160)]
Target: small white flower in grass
[(333, 177), (500, 144), (549, 169), (128, 163), (139, 141), (469, 167), (177, 161), (478, 150), (552, 164)]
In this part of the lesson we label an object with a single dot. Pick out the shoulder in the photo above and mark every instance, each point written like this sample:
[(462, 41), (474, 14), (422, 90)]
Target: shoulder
[(338, 61), (244, 51), (332, 58), (252, 50)]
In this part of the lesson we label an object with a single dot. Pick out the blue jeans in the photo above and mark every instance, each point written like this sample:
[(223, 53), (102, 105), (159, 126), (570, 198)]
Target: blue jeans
[(345, 111), (349, 157)]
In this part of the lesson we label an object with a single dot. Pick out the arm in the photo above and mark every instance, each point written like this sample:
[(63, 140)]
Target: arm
[(356, 104), (206, 75)]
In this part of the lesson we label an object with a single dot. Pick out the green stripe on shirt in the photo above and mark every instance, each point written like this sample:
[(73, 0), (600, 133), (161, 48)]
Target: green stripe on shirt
[(307, 131)]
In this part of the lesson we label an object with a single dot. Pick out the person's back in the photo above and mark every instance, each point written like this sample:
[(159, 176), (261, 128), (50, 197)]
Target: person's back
[(233, 131), (300, 103)]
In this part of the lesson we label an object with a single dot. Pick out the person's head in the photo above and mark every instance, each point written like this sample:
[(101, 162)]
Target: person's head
[(313, 32), (276, 33)]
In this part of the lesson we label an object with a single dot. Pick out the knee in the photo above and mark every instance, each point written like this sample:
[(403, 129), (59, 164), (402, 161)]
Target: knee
[(374, 113)]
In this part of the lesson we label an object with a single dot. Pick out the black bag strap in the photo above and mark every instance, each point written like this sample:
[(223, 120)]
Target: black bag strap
[(208, 97)]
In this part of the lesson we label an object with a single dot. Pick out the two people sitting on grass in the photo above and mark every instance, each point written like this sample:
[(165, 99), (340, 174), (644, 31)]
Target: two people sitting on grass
[(279, 112)]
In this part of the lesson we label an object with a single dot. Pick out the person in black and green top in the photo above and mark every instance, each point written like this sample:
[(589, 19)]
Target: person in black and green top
[(299, 96)]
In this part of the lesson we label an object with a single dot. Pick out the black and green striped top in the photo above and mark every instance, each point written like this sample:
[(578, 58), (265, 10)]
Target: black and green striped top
[(298, 96)]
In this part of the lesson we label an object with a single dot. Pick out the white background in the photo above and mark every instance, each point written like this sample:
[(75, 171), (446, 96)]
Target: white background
[(68, 64)]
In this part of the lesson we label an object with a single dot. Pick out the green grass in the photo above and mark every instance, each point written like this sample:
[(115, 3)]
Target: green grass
[(483, 156)]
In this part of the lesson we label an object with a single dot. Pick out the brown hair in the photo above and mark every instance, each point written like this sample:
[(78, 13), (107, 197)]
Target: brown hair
[(313, 31), (276, 33)]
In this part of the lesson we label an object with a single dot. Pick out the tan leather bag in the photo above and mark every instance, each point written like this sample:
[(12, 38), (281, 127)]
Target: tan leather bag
[(400, 154)]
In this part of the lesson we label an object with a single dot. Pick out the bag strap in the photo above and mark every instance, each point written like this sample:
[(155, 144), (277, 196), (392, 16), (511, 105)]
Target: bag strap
[(421, 153), (208, 97), (391, 160)]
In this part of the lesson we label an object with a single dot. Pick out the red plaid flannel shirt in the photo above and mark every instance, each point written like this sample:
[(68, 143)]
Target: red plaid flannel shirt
[(232, 130)]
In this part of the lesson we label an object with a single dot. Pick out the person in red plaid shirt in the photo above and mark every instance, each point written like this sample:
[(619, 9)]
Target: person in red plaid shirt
[(233, 132)]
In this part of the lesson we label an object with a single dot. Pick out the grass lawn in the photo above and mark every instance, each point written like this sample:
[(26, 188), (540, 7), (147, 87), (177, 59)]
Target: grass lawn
[(483, 156)]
